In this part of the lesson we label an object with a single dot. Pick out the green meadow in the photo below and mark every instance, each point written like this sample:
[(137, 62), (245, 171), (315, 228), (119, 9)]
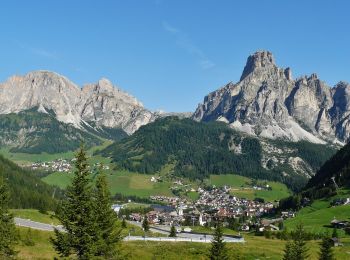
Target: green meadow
[(254, 248), (242, 187)]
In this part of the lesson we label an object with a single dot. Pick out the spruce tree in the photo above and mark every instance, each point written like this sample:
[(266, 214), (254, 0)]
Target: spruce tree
[(77, 215), (172, 231), (145, 224), (296, 249), (299, 244), (335, 233), (8, 234), (124, 223), (326, 251), (108, 234), (218, 249), (288, 251)]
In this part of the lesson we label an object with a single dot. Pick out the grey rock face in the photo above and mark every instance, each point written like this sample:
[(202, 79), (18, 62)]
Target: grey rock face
[(100, 103), (267, 102)]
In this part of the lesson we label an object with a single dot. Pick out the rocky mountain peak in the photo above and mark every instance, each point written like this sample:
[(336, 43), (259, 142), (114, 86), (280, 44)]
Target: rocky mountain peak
[(101, 103), (268, 103), (260, 59)]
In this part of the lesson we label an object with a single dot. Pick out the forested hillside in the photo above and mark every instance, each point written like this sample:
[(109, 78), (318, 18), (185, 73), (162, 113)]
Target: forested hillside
[(199, 149), (33, 132), (27, 190), (338, 166)]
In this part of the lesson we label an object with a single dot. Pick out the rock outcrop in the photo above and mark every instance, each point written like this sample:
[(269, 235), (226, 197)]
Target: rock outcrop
[(268, 102), (101, 104)]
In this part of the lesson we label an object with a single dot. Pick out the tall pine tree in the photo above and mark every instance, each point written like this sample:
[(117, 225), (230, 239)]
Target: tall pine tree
[(77, 215), (288, 251), (172, 231), (145, 224), (218, 249), (300, 249), (296, 249), (108, 234), (8, 235), (326, 251)]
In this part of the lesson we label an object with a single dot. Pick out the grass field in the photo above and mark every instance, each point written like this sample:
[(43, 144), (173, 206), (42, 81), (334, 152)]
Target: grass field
[(35, 215), (137, 184), (318, 216), (254, 248), (59, 179), (123, 182), (27, 158), (242, 187)]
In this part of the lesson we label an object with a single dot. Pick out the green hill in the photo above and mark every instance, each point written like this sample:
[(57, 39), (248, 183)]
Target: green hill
[(338, 167), (198, 149), (33, 132), (27, 190), (322, 186)]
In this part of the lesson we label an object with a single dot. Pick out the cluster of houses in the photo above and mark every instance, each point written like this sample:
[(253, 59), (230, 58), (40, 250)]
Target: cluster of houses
[(340, 201), (59, 165), (212, 205), (226, 205)]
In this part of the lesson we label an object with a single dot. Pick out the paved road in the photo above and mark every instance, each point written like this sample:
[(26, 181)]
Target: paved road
[(188, 236), (183, 236), (35, 225)]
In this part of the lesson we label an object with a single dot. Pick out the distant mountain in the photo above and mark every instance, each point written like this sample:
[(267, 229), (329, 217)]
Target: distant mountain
[(27, 190), (267, 102), (197, 149), (100, 104)]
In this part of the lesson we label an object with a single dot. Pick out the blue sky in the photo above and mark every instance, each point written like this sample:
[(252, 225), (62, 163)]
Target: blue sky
[(170, 54)]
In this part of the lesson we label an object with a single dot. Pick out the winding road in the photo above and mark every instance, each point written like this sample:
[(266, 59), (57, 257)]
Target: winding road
[(181, 237)]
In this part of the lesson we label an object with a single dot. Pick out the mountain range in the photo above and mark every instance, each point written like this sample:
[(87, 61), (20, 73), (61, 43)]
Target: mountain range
[(46, 112), (268, 102), (100, 104)]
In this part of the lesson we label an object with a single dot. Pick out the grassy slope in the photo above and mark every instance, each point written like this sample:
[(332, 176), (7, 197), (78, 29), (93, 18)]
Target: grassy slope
[(27, 158), (319, 215), (254, 248), (122, 182), (128, 183), (240, 188), (35, 215)]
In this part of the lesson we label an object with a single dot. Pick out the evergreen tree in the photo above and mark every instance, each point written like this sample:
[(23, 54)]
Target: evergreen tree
[(296, 249), (8, 235), (299, 245), (108, 234), (218, 249), (124, 223), (172, 231), (77, 215), (326, 252), (335, 233), (288, 251), (145, 224)]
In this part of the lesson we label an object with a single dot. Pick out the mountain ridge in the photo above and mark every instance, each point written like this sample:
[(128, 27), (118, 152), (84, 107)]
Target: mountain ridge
[(268, 102), (101, 102)]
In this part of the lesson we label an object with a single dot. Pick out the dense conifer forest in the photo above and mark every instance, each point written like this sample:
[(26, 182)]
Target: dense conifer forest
[(26, 189), (199, 149)]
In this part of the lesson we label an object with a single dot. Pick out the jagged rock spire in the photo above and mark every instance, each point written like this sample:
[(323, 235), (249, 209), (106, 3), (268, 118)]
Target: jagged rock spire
[(259, 59)]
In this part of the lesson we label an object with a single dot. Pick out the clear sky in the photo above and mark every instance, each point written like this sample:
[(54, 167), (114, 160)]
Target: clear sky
[(170, 54)]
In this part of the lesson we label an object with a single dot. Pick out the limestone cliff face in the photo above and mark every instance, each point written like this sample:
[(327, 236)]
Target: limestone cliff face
[(107, 105), (102, 103), (268, 102)]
